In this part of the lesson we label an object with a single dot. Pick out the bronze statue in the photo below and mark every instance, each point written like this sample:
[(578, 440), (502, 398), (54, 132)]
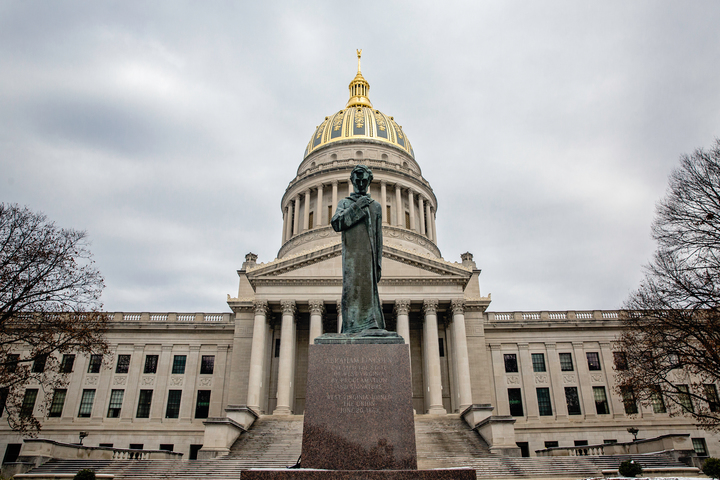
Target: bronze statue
[(359, 218)]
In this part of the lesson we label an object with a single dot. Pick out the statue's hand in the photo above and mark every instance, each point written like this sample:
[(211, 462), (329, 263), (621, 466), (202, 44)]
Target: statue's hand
[(363, 201)]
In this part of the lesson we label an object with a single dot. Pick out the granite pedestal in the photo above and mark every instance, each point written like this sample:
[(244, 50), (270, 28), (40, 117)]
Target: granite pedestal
[(359, 421)]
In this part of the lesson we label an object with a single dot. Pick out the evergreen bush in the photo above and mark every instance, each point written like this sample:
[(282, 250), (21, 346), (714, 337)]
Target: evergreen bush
[(711, 467), (85, 474), (629, 468)]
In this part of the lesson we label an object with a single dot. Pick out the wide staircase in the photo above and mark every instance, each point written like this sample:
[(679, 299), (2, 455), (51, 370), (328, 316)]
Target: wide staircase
[(442, 442)]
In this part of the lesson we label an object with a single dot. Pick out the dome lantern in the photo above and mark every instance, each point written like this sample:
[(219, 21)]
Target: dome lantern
[(359, 88)]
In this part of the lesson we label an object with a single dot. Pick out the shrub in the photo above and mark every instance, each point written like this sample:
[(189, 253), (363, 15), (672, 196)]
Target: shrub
[(629, 468), (85, 474), (711, 467)]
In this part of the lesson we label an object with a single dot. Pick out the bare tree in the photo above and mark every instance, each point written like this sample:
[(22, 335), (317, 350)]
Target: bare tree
[(50, 310), (670, 348)]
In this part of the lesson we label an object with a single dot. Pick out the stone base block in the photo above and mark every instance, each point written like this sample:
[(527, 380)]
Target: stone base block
[(300, 474)]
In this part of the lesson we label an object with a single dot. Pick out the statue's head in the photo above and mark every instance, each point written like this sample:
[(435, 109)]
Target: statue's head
[(361, 177)]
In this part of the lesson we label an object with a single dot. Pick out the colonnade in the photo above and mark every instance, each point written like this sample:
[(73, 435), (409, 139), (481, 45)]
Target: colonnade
[(291, 211), (431, 356)]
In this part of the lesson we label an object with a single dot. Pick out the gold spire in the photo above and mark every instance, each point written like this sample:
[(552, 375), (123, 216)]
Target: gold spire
[(359, 88)]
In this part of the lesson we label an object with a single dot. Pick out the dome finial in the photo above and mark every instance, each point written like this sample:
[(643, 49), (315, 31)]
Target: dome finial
[(359, 88)]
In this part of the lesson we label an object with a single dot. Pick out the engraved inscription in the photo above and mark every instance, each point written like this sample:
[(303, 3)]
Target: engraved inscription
[(363, 381)]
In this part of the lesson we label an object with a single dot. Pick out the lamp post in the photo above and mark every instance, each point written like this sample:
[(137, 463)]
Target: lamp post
[(634, 431), (82, 436)]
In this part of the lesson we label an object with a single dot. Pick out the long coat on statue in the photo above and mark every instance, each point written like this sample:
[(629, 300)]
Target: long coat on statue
[(362, 262)]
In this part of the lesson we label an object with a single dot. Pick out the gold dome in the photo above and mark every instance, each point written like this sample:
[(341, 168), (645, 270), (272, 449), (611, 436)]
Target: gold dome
[(359, 121)]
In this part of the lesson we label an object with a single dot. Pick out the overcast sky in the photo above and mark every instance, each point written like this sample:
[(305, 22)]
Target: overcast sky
[(170, 130)]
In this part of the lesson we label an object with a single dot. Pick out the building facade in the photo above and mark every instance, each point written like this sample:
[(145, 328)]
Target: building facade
[(191, 382)]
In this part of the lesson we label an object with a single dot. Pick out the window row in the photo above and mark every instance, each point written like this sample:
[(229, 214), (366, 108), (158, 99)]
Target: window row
[(538, 362), (172, 410), (572, 400), (207, 364)]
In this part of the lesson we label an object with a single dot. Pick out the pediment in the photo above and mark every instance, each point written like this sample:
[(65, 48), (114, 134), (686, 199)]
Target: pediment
[(325, 264)]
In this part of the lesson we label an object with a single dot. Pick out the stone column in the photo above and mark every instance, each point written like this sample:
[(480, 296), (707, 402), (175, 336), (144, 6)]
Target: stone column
[(432, 222), (218, 382), (296, 220), (306, 213), (606, 359), (502, 404), (432, 355), (192, 371), (421, 212), (286, 223), (133, 379), (398, 206), (319, 206), (428, 225), (402, 310), (334, 196), (257, 355), (285, 373), (339, 316), (157, 409), (316, 312), (528, 381), (411, 202), (383, 200), (460, 354), (587, 399), (556, 383)]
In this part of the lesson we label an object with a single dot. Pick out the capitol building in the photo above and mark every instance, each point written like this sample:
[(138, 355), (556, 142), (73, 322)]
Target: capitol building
[(196, 383)]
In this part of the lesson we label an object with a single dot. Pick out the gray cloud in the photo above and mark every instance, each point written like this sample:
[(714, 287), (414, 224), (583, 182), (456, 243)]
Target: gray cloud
[(169, 131)]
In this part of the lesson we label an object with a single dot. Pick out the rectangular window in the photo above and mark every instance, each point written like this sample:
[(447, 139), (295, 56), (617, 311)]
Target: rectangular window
[(407, 220), (202, 407), (136, 446), (700, 447), (620, 360), (67, 363), (573, 401), (108, 445), (116, 399), (86, 403), (123, 364), (538, 361), (711, 396), (178, 367), (593, 359), (610, 441), (311, 220), (277, 347), (3, 399), (551, 444), (12, 452), (168, 447), (441, 347), (329, 213), (12, 362), (95, 364), (628, 397), (194, 449), (39, 364), (151, 362), (544, 405), (515, 399), (566, 363), (684, 398), (601, 403), (656, 399), (58, 401), (511, 365), (388, 211), (173, 404), (208, 365), (581, 443), (28, 404), (143, 410)]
